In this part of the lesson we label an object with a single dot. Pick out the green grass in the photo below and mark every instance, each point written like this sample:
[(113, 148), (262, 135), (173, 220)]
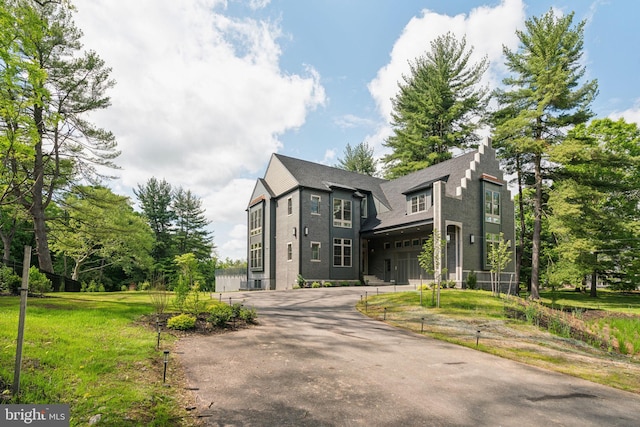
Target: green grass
[(628, 302), (463, 312), (86, 350), (622, 331)]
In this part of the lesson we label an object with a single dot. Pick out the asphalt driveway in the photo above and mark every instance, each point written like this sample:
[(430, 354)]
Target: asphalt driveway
[(315, 361)]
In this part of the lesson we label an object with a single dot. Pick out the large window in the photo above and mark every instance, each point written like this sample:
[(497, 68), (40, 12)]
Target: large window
[(255, 221), (342, 252), (342, 213), (491, 239), (315, 251), (419, 203), (255, 255), (492, 206), (315, 205)]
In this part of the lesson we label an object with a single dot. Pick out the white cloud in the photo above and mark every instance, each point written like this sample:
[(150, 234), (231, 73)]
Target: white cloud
[(486, 28), (200, 98), (631, 115)]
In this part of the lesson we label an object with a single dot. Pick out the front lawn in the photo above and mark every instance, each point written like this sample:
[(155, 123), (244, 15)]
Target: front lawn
[(88, 351)]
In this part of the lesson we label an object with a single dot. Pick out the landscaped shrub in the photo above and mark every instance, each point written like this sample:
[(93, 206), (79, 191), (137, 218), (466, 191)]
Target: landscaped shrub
[(92, 286), (328, 284), (39, 283), (220, 315), (249, 315), (472, 280), (181, 322), (315, 285), (9, 280)]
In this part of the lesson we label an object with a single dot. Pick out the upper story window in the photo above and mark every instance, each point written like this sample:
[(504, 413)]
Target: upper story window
[(363, 208), (289, 251), (289, 206), (342, 213), (315, 205), (419, 203), (492, 206), (255, 222)]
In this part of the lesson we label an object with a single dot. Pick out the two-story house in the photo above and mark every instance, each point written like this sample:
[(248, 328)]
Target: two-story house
[(327, 224)]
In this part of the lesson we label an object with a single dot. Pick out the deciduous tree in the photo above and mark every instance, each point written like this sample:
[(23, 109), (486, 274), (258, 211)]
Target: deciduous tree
[(595, 204), (49, 86), (101, 229)]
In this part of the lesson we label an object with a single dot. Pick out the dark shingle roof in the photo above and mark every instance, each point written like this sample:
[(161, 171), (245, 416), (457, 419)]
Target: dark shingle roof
[(322, 177), (391, 193)]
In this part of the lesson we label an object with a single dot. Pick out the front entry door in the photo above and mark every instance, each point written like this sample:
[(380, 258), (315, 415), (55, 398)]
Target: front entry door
[(387, 270)]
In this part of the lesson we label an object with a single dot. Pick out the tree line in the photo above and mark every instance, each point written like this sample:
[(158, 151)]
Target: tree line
[(577, 176), (53, 192)]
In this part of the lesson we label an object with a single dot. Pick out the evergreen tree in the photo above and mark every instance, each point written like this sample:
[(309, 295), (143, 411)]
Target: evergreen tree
[(48, 87), (358, 159), (191, 235), (543, 98), (155, 198), (438, 107)]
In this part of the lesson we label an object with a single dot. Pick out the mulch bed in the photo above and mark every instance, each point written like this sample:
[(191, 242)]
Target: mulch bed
[(203, 327)]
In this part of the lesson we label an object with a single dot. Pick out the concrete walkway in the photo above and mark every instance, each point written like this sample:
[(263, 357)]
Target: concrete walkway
[(315, 361)]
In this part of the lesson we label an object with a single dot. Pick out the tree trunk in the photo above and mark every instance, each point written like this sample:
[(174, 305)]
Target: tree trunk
[(593, 293), (37, 207), (520, 248), (537, 229)]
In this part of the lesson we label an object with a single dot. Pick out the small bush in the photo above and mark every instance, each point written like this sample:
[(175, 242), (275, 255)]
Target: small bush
[(220, 315), (328, 284), (181, 322), (249, 315), (472, 280), (9, 281), (92, 286), (315, 285), (39, 283)]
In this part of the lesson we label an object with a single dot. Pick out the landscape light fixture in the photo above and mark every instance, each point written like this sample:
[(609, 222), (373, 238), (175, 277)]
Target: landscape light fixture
[(166, 361)]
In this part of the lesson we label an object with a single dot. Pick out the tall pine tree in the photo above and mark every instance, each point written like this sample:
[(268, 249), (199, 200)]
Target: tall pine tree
[(439, 107), (544, 97)]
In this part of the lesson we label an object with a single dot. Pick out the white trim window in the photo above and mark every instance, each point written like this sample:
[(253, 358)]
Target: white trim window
[(255, 256), (289, 251), (289, 206), (492, 206), (315, 251), (315, 204), (255, 222), (342, 213), (419, 203), (342, 252), (364, 211)]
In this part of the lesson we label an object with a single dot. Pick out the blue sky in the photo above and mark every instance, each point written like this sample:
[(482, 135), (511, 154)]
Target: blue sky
[(208, 89)]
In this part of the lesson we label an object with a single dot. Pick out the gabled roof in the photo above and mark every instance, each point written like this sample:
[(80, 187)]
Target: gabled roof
[(322, 177), (396, 191), (393, 194)]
